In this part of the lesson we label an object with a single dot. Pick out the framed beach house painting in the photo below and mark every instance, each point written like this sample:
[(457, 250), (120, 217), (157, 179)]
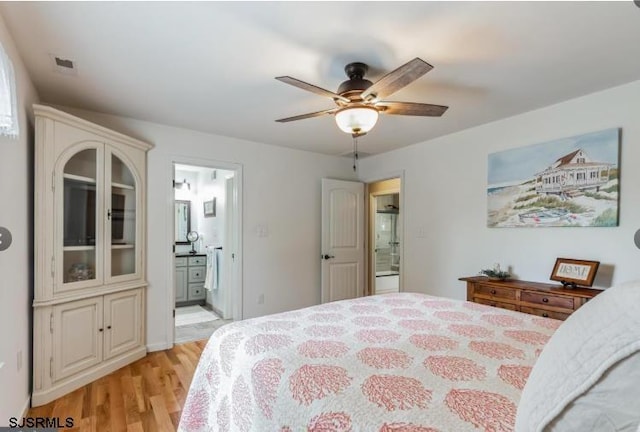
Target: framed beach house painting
[(571, 182)]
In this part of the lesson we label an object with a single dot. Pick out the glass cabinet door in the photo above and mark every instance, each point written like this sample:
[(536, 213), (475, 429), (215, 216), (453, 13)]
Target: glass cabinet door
[(121, 219), (80, 218)]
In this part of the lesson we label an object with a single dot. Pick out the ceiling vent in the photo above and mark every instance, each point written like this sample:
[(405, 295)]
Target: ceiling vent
[(63, 65)]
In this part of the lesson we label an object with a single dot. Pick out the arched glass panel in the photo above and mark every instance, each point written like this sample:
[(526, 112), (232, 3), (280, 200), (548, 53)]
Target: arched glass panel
[(122, 219), (80, 217)]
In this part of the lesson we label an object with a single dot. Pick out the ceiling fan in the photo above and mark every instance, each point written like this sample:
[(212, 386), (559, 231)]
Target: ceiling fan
[(359, 101)]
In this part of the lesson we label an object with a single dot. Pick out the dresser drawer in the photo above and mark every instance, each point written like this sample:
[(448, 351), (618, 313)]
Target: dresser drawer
[(196, 292), (544, 313), (181, 261), (197, 274), (198, 261), (495, 304), (495, 292), (547, 300)]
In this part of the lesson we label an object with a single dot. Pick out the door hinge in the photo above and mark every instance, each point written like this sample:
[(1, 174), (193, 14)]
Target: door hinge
[(173, 248), (173, 182), (233, 257), (174, 313), (51, 367), (51, 322)]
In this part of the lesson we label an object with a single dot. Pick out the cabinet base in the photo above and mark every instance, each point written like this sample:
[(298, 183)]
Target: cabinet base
[(44, 396)]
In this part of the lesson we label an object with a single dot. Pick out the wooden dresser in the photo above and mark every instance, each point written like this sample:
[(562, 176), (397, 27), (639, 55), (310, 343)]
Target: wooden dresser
[(534, 298)]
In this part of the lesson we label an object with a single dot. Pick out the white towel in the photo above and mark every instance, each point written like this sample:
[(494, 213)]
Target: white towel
[(211, 278)]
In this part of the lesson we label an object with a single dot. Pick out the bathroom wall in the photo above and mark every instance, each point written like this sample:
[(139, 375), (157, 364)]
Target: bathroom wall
[(205, 185), (188, 194)]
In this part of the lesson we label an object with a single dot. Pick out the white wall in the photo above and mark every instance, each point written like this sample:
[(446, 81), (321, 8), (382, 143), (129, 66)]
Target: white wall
[(445, 199), (16, 263), (281, 192)]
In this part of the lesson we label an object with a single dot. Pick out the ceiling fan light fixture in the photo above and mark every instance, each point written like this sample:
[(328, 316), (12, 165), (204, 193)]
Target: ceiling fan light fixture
[(357, 120)]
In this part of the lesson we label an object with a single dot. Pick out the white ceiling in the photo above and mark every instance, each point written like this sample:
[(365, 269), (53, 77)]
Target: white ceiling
[(211, 66)]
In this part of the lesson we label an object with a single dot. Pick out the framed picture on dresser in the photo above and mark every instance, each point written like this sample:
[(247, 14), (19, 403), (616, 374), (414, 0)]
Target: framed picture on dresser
[(572, 272)]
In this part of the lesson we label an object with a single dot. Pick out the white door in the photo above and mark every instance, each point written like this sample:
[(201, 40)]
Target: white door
[(122, 322), (342, 251), (77, 336)]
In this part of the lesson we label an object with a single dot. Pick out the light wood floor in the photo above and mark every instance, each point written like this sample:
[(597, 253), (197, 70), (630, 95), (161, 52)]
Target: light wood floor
[(147, 395)]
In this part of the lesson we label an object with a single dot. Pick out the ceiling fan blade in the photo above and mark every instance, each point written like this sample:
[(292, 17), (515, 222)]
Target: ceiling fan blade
[(312, 88), (306, 116), (395, 80), (412, 108)]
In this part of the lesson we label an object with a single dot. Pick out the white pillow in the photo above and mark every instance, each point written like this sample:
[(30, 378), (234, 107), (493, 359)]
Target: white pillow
[(590, 353), (612, 404)]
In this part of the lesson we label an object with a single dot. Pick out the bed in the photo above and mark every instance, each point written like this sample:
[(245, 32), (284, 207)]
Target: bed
[(395, 362)]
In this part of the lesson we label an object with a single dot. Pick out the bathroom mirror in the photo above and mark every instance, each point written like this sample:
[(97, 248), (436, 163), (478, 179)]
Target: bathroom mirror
[(182, 221)]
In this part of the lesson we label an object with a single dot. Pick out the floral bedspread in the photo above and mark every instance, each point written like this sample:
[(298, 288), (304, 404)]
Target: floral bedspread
[(395, 362)]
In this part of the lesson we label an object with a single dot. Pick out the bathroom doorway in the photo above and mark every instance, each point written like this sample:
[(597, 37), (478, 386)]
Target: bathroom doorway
[(205, 250), (385, 236)]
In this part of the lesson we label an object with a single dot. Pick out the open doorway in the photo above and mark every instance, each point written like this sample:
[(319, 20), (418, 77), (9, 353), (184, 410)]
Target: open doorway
[(205, 250), (385, 236)]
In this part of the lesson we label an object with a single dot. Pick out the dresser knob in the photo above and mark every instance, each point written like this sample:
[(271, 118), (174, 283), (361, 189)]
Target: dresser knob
[(493, 291), (546, 315), (545, 300)]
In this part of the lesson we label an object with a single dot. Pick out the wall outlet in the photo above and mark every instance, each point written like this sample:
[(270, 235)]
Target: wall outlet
[(19, 360), (261, 299)]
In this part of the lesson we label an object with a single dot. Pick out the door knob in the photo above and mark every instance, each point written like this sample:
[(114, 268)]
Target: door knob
[(326, 257)]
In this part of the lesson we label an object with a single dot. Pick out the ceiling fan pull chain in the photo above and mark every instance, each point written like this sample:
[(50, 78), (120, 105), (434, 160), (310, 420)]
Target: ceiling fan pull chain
[(355, 152)]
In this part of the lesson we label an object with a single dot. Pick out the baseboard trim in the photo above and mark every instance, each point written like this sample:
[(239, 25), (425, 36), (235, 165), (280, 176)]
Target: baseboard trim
[(75, 382), (160, 346), (216, 310), (25, 407)]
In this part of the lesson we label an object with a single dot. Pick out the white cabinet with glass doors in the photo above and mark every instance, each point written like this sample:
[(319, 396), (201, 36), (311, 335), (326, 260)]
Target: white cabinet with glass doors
[(90, 185)]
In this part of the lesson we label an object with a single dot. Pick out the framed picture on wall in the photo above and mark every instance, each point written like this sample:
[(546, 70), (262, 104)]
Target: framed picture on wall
[(210, 208), (568, 182)]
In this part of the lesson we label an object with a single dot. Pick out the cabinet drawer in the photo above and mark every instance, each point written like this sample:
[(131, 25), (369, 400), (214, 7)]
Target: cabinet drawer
[(495, 292), (547, 300), (544, 313), (196, 292), (197, 274), (495, 304), (181, 261), (197, 261)]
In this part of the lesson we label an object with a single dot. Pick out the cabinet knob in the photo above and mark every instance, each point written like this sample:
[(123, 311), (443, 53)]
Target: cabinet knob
[(493, 291), (545, 300), (546, 315), (100, 330), (108, 327)]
